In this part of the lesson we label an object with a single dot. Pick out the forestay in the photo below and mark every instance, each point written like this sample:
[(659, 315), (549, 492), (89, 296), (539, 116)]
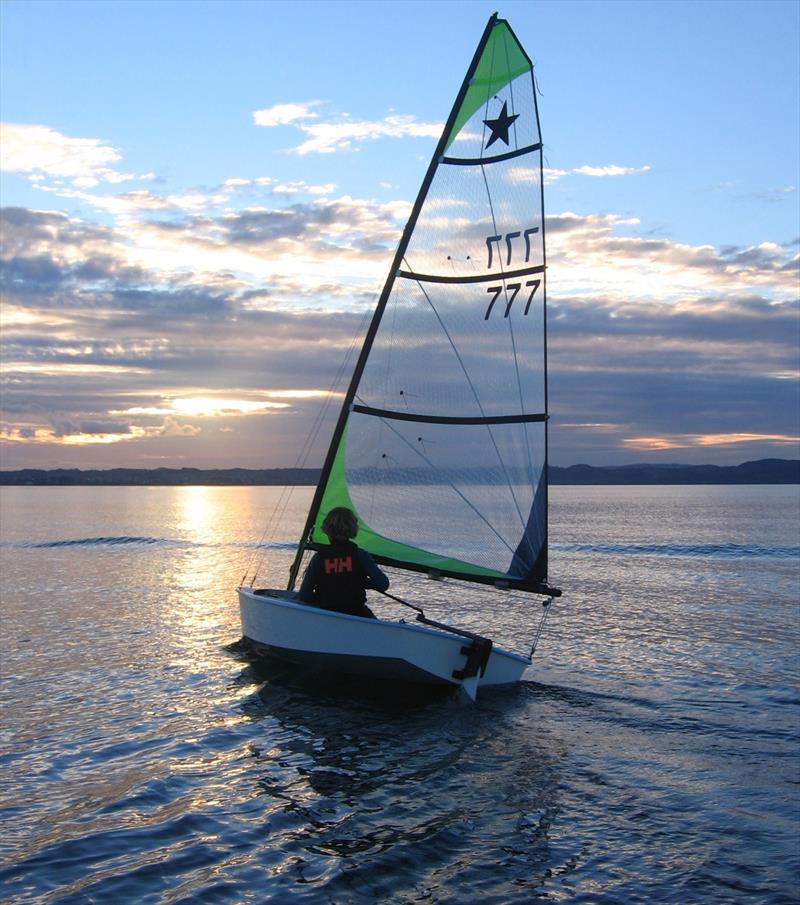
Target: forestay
[(441, 448)]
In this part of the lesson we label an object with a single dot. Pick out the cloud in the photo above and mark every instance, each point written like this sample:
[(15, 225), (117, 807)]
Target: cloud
[(205, 407), (325, 138), (104, 427), (771, 196), (611, 170), (552, 175), (126, 205), (302, 188), (284, 114), (169, 334), (42, 152), (204, 325), (300, 250), (92, 433), (172, 428), (687, 441), (340, 133), (297, 187), (597, 254), (92, 344)]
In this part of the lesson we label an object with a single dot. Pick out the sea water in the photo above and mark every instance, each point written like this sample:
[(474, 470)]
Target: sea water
[(650, 755)]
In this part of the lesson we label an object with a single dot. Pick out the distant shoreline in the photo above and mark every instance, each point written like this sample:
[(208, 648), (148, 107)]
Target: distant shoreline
[(763, 471)]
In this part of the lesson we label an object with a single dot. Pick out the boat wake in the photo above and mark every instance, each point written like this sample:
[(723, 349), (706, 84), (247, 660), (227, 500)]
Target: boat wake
[(129, 541)]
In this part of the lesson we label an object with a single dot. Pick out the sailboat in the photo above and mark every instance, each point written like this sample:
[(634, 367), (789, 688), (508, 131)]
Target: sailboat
[(440, 448)]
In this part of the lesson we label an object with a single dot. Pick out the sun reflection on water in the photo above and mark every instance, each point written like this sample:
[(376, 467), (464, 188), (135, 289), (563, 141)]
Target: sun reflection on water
[(198, 510), (198, 578)]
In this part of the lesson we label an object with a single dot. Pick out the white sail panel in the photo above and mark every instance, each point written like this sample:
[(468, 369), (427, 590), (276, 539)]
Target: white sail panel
[(441, 450)]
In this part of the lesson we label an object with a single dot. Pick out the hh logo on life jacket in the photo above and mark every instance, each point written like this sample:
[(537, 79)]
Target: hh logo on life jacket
[(339, 564)]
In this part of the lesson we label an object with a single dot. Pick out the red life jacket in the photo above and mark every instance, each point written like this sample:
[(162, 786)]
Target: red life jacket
[(340, 580)]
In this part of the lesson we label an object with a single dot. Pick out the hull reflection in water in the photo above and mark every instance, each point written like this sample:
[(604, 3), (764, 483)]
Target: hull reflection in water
[(275, 624)]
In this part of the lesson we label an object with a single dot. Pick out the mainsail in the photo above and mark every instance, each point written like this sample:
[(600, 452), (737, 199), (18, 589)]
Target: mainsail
[(441, 446)]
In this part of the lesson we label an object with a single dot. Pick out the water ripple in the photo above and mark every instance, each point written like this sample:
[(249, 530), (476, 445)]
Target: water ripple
[(735, 551), (128, 541), (651, 756)]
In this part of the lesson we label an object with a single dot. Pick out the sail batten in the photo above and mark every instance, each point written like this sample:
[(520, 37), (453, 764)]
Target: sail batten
[(441, 446), (483, 161), (452, 419), (474, 278)]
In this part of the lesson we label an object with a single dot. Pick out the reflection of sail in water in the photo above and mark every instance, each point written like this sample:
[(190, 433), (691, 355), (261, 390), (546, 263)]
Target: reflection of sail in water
[(440, 449)]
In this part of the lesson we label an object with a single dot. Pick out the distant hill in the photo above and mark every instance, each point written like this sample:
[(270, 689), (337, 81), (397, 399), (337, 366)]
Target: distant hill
[(162, 476), (764, 471)]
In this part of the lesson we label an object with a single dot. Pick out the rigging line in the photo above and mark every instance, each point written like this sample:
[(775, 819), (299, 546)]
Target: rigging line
[(325, 408), (279, 510), (474, 392), (386, 373), (337, 380), (488, 98), (522, 409), (287, 492), (545, 525), (505, 290), (500, 260), (471, 505), (519, 382), (311, 438), (510, 87), (267, 537), (510, 327), (523, 520)]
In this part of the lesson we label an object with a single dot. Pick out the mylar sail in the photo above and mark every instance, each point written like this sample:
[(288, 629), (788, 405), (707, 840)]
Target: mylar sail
[(441, 447)]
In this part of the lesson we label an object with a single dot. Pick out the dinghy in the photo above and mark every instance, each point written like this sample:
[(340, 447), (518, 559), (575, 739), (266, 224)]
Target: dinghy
[(440, 448)]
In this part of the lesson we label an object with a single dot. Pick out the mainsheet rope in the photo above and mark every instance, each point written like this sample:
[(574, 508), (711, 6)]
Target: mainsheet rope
[(421, 617)]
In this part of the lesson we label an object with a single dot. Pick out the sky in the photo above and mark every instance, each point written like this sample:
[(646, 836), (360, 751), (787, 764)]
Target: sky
[(201, 201)]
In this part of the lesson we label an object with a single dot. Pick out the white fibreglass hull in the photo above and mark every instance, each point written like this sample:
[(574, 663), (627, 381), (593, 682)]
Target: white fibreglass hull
[(275, 624)]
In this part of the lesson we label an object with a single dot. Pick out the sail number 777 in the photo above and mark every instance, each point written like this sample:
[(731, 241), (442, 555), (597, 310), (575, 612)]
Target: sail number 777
[(513, 290), (491, 241)]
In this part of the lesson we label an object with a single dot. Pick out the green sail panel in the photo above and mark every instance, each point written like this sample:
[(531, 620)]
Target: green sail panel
[(440, 449), (502, 60), (384, 548)]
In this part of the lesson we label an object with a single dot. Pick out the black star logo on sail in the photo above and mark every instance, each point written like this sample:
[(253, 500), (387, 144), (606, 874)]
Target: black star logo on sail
[(500, 126)]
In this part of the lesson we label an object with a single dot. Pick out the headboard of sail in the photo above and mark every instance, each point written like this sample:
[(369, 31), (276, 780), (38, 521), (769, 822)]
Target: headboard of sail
[(441, 450)]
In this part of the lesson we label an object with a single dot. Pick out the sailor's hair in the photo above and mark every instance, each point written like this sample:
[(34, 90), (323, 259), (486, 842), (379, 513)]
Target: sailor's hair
[(340, 524)]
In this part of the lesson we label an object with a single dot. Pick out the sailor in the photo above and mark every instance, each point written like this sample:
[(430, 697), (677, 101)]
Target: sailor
[(339, 574)]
